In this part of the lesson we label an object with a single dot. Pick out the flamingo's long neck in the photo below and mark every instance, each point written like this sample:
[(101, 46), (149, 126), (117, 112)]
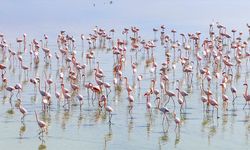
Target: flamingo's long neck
[(147, 98), (180, 54), (153, 86), (178, 94), (62, 87), (36, 116), (39, 86), (45, 85), (55, 88), (126, 82), (246, 90), (105, 102)]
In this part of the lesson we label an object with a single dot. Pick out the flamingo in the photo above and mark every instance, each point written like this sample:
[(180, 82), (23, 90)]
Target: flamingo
[(107, 86), (10, 89), (180, 100), (214, 103), (43, 93), (225, 100), (42, 125), (234, 92), (139, 78), (80, 98), (246, 96), (183, 94), (18, 87), (57, 94), (109, 109), (204, 100), (165, 111), (177, 121), (170, 94), (22, 110)]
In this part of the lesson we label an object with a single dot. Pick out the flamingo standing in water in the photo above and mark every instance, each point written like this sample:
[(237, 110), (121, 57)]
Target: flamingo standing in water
[(42, 125), (177, 121), (170, 94), (18, 87), (139, 78), (214, 103), (22, 110), (234, 92), (108, 108), (246, 96), (165, 111)]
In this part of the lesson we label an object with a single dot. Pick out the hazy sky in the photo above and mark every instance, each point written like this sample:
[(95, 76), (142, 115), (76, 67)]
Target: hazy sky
[(50, 16)]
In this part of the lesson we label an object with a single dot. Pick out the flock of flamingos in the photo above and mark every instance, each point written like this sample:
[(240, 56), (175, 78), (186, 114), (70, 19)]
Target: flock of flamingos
[(216, 59)]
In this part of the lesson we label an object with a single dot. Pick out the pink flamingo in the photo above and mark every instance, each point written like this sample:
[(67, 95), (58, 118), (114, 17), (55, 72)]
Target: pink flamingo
[(246, 96), (18, 87), (42, 125), (165, 111), (180, 100), (177, 121), (139, 78), (80, 98), (109, 109), (22, 110), (234, 92), (214, 103), (170, 94), (225, 100)]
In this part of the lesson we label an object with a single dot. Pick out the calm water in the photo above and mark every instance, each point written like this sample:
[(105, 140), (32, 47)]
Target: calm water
[(89, 129)]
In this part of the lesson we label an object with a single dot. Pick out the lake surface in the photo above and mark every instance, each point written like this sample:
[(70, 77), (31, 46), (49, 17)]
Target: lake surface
[(89, 128)]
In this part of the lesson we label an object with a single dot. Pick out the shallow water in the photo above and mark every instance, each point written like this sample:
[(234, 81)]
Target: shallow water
[(89, 128)]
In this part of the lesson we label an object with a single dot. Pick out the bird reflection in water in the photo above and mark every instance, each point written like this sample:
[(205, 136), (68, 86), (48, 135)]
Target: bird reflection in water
[(130, 127), (247, 126), (149, 121), (22, 130), (42, 146), (177, 137), (209, 125), (224, 122), (163, 139), (65, 119), (211, 133), (80, 119), (108, 137)]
